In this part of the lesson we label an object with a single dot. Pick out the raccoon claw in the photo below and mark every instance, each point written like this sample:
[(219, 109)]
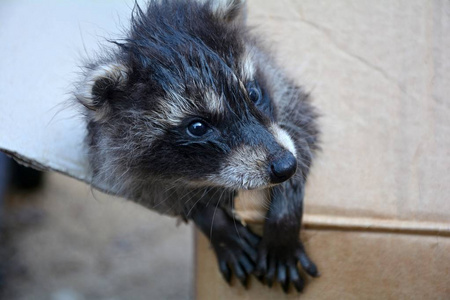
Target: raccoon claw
[(260, 278), (281, 264), (281, 277), (307, 264), (237, 261), (270, 275), (240, 273), (225, 271), (235, 248), (296, 280), (246, 264)]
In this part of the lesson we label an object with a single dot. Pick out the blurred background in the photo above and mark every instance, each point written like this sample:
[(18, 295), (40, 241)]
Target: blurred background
[(61, 240)]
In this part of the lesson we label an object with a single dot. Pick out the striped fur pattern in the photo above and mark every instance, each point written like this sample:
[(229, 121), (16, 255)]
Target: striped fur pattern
[(184, 62)]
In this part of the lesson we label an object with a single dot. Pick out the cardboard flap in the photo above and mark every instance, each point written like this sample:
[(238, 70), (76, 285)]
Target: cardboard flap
[(39, 124)]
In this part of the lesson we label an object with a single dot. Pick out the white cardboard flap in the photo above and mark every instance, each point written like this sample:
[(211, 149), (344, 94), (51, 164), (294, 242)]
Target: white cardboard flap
[(43, 45)]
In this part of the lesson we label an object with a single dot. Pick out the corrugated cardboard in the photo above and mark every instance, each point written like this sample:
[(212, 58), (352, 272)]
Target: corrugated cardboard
[(353, 265), (378, 199), (377, 205)]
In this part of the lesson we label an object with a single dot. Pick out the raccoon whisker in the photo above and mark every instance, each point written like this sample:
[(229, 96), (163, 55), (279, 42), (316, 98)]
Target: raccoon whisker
[(119, 179), (266, 205), (93, 194), (173, 185), (293, 128), (256, 204), (212, 197), (214, 214), (198, 200), (188, 195), (172, 188), (233, 214), (305, 163), (297, 132)]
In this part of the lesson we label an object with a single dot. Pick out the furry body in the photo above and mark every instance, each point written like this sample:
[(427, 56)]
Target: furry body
[(187, 111)]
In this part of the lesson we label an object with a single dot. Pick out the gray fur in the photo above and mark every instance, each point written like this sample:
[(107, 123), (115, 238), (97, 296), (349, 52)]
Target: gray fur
[(120, 136), (187, 112)]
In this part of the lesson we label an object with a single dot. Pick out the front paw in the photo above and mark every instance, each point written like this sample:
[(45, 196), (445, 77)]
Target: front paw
[(236, 252), (280, 263)]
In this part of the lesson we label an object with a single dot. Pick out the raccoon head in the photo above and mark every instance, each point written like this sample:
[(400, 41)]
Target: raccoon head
[(183, 99)]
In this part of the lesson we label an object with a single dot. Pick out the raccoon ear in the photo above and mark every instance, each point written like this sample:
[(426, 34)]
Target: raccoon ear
[(102, 85), (228, 10)]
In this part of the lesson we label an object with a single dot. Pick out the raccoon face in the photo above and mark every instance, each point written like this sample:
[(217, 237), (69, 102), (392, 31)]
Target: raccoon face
[(184, 99)]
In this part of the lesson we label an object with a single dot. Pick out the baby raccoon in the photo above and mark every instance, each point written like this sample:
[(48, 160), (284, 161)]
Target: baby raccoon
[(187, 111)]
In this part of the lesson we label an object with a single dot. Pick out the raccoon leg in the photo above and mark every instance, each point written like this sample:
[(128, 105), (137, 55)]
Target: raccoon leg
[(281, 249), (234, 244)]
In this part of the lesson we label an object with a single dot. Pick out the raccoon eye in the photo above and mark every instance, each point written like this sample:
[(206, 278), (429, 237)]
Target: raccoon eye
[(197, 128), (254, 93)]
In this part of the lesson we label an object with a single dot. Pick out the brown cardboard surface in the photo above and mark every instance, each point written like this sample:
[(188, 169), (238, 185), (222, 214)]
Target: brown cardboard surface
[(379, 73), (353, 265), (378, 198)]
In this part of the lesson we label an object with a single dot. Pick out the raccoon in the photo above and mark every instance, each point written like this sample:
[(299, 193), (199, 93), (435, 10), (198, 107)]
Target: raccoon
[(188, 111)]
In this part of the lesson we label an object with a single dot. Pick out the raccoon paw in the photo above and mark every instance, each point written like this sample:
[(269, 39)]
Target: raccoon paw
[(235, 248), (280, 263)]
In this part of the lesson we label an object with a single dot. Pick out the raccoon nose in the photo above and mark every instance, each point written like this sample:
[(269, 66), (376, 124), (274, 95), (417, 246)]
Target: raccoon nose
[(282, 168)]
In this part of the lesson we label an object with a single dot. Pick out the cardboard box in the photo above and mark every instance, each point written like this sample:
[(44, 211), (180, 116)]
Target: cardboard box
[(377, 208), (377, 205)]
